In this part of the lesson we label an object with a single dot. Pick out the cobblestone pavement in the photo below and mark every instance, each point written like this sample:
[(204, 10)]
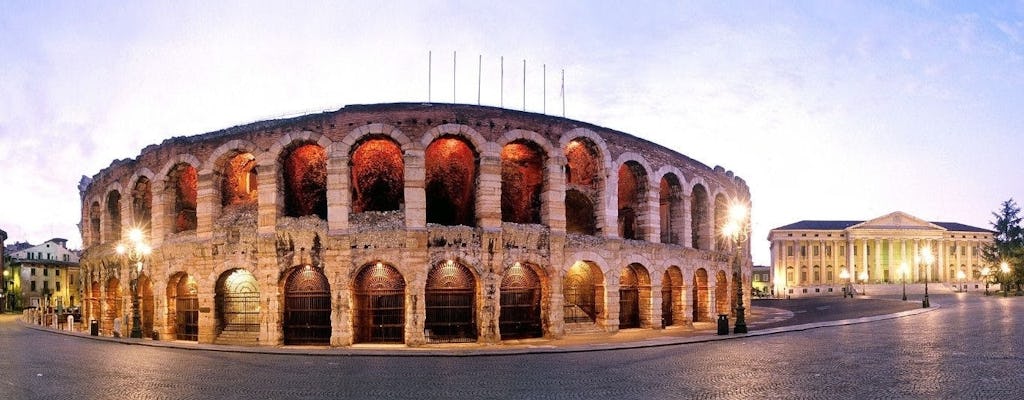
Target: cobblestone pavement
[(968, 348)]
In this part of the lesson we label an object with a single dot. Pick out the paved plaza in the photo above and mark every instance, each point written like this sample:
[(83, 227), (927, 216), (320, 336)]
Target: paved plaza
[(969, 347)]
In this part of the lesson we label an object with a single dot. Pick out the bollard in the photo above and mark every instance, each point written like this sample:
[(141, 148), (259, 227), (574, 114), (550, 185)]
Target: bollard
[(94, 327), (71, 323), (723, 324)]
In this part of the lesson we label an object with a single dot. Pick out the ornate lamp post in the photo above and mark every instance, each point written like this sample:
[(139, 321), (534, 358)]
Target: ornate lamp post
[(736, 229), (903, 274), (1005, 269), (985, 275), (135, 252), (927, 258), (848, 290), (960, 277), (864, 282)]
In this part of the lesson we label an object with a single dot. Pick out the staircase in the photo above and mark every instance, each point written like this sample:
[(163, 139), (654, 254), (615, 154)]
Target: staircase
[(238, 337)]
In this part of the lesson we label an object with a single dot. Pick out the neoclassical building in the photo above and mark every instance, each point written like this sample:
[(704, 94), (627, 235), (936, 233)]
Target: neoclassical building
[(414, 224), (809, 256)]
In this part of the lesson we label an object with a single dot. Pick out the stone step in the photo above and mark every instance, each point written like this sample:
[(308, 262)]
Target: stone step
[(583, 328), (238, 338)]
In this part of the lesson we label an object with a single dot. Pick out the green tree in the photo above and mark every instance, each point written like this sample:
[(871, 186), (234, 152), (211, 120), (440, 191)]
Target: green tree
[(1007, 244)]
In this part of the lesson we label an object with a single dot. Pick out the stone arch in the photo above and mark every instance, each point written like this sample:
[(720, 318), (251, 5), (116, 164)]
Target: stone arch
[(379, 304), (234, 169), (302, 177), (475, 139), (376, 174), (671, 209), (452, 170), (306, 311), (112, 212), (522, 300), (142, 200), (451, 304), (583, 293), (183, 306), (671, 296), (237, 297), (816, 274), (147, 308), (701, 296), (634, 297), (700, 229), (633, 189), (586, 170), (523, 179), (95, 222), (722, 292), (721, 218), (113, 307), (345, 145), (180, 193)]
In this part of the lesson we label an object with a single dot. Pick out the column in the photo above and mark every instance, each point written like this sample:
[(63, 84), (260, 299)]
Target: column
[(878, 257), (916, 260)]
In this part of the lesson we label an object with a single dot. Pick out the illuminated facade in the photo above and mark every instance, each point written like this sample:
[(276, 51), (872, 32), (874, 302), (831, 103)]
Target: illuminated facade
[(43, 275), (808, 257), (411, 223)]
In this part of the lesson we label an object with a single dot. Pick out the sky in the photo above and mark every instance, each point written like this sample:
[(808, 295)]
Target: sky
[(829, 110)]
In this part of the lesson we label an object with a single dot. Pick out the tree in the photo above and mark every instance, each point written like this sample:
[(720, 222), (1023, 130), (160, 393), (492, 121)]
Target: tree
[(1007, 244)]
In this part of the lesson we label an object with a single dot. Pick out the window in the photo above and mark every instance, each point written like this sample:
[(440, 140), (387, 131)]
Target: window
[(842, 251), (29, 256), (815, 250), (46, 285), (46, 271), (33, 286), (803, 251), (803, 276), (867, 250), (39, 255), (56, 272), (817, 276), (32, 271), (952, 250), (963, 251), (789, 251), (828, 251), (830, 276), (56, 286)]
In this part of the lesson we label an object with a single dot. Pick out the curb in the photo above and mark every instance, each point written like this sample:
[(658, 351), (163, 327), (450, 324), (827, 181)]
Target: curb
[(404, 351)]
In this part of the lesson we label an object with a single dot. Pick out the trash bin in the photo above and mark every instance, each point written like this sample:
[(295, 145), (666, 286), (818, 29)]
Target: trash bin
[(94, 327), (723, 324)]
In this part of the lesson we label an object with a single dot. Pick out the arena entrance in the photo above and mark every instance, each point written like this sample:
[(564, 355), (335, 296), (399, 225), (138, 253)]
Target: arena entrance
[(307, 307), (380, 305), (238, 302), (112, 309), (671, 289), (520, 303), (701, 303), (450, 304), (145, 290), (634, 283), (581, 291), (183, 294)]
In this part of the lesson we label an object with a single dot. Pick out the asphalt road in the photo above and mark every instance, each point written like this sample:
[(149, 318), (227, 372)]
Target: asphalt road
[(969, 348)]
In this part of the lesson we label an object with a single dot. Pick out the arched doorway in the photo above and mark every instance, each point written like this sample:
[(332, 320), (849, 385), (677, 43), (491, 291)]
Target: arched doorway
[(183, 306), (380, 305), (671, 289), (146, 307), (238, 302), (631, 283), (307, 307), (701, 303), (450, 304), (582, 291), (113, 306), (584, 182), (520, 303), (722, 293), (94, 302)]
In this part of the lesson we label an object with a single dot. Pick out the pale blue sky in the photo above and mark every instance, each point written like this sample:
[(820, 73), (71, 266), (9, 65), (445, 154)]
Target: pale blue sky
[(828, 109)]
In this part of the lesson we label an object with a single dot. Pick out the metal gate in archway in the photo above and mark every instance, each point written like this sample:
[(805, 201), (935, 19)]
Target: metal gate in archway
[(307, 307), (667, 309), (629, 299), (520, 303), (450, 304), (380, 305), (186, 309), (238, 302), (579, 294)]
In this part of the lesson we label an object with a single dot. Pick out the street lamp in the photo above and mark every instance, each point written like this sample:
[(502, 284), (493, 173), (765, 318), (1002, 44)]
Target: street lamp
[(736, 229), (864, 282), (960, 275), (845, 275), (984, 275), (903, 273), (1005, 268), (135, 251), (926, 256)]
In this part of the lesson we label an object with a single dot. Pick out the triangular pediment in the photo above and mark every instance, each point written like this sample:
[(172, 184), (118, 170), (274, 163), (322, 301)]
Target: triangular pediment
[(897, 220)]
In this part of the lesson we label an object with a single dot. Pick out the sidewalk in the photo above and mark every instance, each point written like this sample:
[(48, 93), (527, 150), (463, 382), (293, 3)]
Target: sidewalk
[(702, 332)]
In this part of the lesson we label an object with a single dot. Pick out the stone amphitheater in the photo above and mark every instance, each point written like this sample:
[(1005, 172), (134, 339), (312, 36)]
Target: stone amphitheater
[(413, 224)]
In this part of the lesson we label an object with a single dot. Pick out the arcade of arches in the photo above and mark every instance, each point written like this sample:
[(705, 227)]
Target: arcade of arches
[(411, 224)]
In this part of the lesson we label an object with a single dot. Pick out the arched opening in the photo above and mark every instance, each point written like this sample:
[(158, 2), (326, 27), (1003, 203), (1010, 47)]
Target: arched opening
[(699, 218), (450, 304), (114, 215), (816, 274), (307, 307), (305, 181), (520, 303), (670, 202), (142, 205), (238, 302), (634, 294), (94, 223), (94, 302), (238, 186), (584, 185), (378, 176), (522, 181), (583, 293), (451, 169), (632, 200), (380, 305), (721, 218), (146, 306), (181, 184), (722, 293), (701, 300), (183, 306), (113, 306), (671, 292)]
